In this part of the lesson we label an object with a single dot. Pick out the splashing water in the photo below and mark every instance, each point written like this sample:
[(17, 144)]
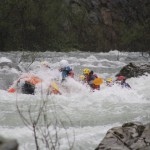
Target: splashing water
[(91, 113)]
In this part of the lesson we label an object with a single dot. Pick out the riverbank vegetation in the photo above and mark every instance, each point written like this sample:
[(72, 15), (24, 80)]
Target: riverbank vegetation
[(58, 25)]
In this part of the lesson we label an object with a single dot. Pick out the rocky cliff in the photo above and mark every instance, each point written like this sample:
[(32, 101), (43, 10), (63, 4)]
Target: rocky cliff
[(112, 24), (93, 25)]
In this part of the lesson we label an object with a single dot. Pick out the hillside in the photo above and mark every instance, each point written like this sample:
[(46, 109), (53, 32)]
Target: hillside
[(93, 25)]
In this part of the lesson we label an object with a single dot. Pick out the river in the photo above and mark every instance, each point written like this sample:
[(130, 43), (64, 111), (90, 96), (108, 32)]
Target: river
[(86, 115)]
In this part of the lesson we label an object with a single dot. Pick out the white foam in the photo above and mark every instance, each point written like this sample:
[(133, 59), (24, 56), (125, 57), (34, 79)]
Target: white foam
[(91, 113), (4, 59)]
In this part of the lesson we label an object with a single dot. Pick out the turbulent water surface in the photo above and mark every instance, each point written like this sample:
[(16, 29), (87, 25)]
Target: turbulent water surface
[(86, 115)]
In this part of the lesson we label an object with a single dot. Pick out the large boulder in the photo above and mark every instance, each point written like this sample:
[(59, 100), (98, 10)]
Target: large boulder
[(8, 144), (130, 136), (131, 70)]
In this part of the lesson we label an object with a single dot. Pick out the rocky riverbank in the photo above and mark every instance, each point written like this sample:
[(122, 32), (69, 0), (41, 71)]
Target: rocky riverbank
[(132, 70), (8, 144), (130, 136)]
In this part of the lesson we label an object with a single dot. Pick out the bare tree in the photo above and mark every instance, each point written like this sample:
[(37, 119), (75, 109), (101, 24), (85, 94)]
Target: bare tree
[(27, 56), (46, 123)]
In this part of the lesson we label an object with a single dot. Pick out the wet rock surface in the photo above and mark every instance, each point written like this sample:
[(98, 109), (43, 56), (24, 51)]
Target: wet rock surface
[(8, 144), (132, 70), (130, 136)]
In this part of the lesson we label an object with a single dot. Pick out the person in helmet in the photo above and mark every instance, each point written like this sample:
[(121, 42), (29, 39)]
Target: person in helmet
[(122, 81), (45, 65), (26, 83), (53, 89), (109, 82), (30, 84), (65, 70), (82, 79), (90, 77)]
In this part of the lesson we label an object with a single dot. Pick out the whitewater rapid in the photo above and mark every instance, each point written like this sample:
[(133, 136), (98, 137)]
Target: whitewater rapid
[(91, 113)]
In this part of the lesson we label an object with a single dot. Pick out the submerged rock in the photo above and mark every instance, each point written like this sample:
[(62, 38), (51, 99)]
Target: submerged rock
[(131, 70), (130, 136), (7, 144)]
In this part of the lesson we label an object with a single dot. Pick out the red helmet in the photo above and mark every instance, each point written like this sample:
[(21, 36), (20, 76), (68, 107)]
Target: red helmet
[(120, 78)]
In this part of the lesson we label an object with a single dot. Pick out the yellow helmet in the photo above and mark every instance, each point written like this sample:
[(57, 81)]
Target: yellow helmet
[(86, 71), (82, 77), (109, 80)]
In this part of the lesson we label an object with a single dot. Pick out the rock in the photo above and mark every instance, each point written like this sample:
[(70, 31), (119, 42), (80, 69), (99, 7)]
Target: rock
[(131, 70), (112, 22), (106, 15), (131, 136), (8, 144)]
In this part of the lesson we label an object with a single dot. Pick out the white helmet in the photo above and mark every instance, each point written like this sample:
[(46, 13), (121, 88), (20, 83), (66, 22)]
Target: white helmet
[(45, 64), (63, 63)]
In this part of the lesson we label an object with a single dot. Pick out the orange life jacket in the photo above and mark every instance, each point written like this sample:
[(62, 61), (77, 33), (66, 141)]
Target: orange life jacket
[(96, 87), (34, 80)]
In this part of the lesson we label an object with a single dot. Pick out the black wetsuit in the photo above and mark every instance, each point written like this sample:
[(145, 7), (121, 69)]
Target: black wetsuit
[(28, 88)]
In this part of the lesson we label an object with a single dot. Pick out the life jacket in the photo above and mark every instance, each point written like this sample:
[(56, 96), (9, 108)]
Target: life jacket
[(34, 80), (67, 71), (91, 77), (30, 82), (96, 87), (71, 74)]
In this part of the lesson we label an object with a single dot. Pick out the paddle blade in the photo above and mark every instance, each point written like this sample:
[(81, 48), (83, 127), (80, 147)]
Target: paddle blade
[(55, 86), (11, 90), (98, 81)]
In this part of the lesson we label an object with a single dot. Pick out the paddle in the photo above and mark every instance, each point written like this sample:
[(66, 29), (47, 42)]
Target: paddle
[(55, 86), (98, 81)]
